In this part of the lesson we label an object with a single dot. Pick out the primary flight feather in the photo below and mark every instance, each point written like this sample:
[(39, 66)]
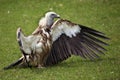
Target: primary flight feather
[(55, 41)]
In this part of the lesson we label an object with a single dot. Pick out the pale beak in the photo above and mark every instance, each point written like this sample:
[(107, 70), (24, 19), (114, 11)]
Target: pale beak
[(58, 16)]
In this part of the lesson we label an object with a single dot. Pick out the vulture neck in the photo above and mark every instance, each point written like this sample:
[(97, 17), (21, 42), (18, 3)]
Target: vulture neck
[(46, 22)]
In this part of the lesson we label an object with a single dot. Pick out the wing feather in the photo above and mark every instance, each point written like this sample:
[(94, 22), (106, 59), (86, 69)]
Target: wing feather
[(73, 39)]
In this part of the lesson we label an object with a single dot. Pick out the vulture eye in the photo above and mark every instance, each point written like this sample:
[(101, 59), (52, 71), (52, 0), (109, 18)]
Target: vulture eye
[(52, 15)]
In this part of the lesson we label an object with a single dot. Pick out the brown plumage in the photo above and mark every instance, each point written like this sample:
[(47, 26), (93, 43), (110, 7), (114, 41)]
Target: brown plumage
[(52, 42)]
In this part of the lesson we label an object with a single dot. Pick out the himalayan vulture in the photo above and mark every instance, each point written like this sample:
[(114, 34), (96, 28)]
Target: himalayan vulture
[(55, 41)]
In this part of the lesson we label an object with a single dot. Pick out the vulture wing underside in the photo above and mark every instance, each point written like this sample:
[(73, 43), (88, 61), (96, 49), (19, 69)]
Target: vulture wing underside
[(87, 43)]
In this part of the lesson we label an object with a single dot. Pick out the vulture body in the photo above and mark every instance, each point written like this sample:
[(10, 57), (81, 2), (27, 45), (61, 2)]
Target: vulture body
[(52, 42)]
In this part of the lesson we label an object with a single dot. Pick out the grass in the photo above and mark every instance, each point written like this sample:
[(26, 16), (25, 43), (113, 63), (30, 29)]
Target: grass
[(103, 15)]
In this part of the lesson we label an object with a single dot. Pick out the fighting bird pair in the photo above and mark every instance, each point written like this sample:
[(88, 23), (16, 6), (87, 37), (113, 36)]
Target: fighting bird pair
[(55, 41)]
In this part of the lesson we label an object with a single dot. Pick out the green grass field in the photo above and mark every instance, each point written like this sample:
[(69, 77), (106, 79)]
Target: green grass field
[(103, 15)]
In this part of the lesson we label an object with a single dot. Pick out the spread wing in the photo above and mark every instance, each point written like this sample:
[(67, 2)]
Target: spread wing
[(73, 39)]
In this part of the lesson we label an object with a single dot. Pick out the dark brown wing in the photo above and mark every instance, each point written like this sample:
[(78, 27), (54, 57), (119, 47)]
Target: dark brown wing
[(83, 41)]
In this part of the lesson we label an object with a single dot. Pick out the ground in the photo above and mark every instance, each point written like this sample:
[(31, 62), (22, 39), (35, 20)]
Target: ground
[(102, 15)]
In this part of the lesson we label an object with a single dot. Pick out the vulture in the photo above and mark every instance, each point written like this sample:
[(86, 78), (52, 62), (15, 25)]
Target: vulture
[(54, 41)]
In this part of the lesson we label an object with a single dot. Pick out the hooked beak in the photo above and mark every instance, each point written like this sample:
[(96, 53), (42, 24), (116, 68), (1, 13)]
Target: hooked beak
[(57, 16)]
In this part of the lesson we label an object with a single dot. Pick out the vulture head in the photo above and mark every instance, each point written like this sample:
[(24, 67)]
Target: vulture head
[(52, 15), (48, 19)]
